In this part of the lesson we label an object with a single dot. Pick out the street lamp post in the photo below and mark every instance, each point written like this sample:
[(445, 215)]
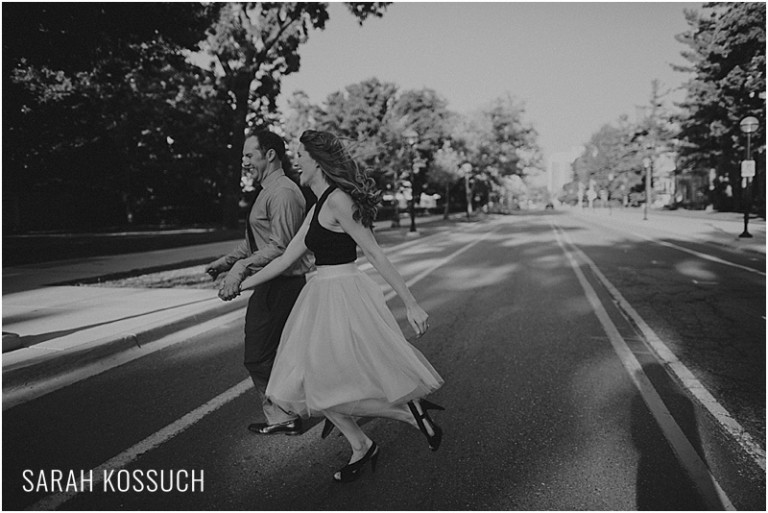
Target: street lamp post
[(647, 166), (748, 125), (466, 170), (395, 202), (412, 137), (610, 187)]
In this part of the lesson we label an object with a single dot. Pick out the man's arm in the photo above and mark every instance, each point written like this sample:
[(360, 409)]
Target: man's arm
[(286, 211), (225, 263)]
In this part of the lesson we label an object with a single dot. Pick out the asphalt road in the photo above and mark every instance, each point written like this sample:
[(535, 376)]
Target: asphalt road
[(545, 411), (710, 313)]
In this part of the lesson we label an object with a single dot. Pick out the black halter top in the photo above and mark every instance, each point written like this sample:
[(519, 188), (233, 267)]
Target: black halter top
[(329, 247)]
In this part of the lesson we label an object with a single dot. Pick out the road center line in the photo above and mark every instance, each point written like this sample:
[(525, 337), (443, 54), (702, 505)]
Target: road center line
[(711, 491)]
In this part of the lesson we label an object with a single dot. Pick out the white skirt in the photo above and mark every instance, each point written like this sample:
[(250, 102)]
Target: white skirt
[(341, 346)]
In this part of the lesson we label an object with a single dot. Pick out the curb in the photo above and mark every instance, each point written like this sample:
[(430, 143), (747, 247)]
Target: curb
[(728, 458), (721, 242), (727, 245), (725, 447), (11, 342), (55, 363)]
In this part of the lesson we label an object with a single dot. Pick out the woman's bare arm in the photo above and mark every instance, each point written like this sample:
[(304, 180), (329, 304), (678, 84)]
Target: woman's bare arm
[(295, 250), (341, 206)]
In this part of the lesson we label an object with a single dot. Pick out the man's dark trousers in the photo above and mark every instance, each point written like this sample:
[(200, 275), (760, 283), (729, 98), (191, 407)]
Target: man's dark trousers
[(268, 309)]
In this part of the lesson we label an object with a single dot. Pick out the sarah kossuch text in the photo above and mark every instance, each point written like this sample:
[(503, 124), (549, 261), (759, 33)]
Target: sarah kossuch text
[(113, 481)]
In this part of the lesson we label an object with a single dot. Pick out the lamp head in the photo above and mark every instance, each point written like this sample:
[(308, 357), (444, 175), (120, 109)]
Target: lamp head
[(749, 124), (411, 136)]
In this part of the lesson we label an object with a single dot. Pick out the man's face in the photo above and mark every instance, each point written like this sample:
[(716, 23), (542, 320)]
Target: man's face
[(254, 162)]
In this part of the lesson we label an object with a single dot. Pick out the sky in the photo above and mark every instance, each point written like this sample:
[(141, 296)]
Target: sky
[(575, 66)]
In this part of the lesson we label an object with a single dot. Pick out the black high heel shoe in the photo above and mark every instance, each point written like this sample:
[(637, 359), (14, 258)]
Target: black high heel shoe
[(428, 405), (327, 429), (354, 470), (436, 437)]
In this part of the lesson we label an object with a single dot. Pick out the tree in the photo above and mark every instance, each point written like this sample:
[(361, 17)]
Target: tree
[(425, 112), (611, 161), (360, 114), (254, 45), (727, 59), (373, 116), (510, 138), (301, 115), (497, 142), (88, 91), (74, 38), (446, 171)]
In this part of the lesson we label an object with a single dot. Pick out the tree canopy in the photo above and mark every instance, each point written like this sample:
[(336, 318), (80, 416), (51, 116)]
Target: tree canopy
[(93, 95), (110, 122), (726, 57)]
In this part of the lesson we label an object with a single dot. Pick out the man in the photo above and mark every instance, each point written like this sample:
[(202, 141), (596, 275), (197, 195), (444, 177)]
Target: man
[(274, 219)]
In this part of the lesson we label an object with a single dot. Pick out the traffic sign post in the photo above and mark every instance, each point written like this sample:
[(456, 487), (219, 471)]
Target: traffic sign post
[(748, 125), (747, 168)]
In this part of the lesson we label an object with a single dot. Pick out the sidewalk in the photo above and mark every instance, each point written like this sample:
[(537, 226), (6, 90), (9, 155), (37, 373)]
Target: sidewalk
[(717, 228), (49, 330)]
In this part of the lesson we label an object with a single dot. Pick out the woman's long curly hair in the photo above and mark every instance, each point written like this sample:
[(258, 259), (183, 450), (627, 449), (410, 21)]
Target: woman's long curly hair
[(341, 170)]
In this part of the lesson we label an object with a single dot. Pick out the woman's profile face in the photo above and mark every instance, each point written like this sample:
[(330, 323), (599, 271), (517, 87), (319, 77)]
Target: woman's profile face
[(307, 166)]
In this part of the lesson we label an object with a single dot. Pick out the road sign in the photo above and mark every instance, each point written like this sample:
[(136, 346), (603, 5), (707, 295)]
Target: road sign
[(747, 168)]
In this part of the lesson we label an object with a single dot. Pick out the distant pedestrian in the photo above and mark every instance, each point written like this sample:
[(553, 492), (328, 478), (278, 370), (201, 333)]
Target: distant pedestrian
[(342, 354), (274, 219)]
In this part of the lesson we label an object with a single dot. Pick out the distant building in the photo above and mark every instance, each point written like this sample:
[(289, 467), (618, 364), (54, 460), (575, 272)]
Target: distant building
[(560, 170), (664, 183)]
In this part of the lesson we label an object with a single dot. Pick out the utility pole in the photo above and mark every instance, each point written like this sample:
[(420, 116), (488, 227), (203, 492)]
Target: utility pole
[(651, 144)]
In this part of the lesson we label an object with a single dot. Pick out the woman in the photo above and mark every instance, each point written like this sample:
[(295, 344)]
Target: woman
[(342, 354)]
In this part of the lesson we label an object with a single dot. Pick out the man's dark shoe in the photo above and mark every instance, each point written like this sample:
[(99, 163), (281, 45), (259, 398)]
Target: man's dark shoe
[(291, 428)]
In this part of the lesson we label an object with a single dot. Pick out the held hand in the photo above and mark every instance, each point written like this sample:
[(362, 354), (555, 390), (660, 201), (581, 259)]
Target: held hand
[(418, 319), (230, 287), (251, 281), (214, 269), (212, 272)]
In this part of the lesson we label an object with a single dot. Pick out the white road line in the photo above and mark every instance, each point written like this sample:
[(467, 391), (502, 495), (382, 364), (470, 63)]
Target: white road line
[(681, 372), (711, 491), (40, 388), (37, 389), (695, 253), (702, 255), (441, 262), (393, 250), (128, 456)]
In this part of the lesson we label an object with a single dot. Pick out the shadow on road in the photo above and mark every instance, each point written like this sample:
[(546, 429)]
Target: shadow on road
[(662, 482), (32, 249)]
